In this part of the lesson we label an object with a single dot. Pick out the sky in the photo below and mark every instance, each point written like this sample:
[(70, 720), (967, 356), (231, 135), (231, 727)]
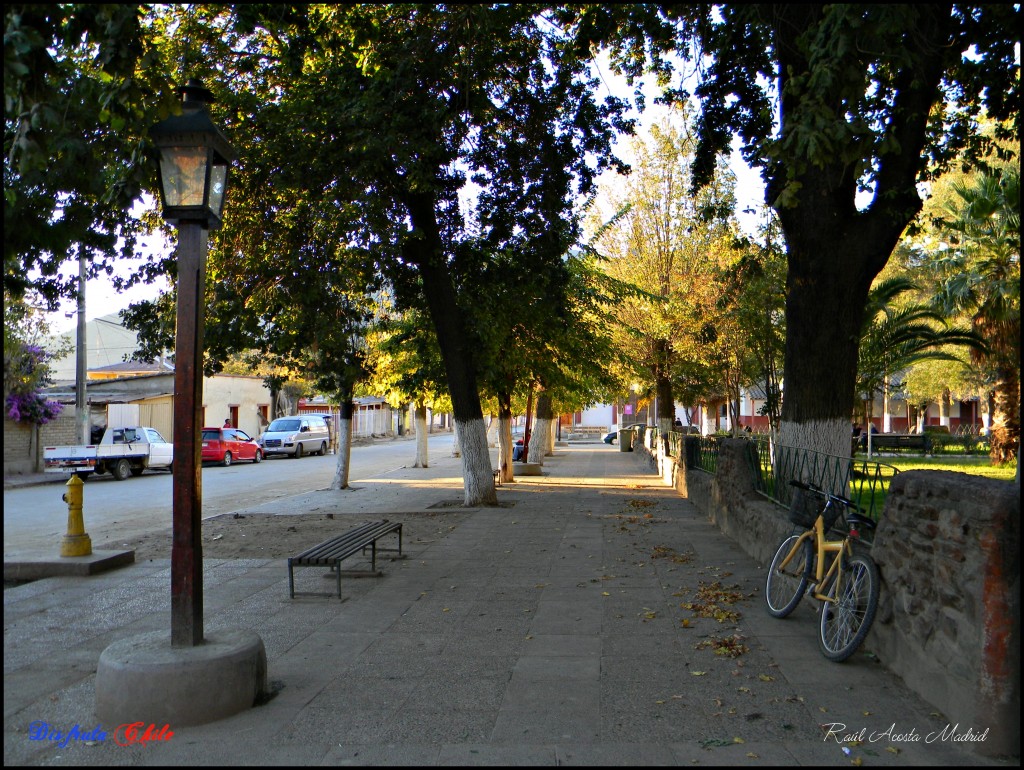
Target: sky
[(101, 298)]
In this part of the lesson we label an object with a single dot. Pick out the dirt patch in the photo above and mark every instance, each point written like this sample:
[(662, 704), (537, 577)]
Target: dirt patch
[(272, 536)]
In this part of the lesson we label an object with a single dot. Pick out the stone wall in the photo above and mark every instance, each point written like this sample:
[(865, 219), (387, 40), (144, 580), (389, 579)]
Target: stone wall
[(19, 447), (948, 550), (23, 444)]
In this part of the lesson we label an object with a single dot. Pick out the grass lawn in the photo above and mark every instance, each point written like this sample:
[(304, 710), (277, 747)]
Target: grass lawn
[(976, 465), (871, 486)]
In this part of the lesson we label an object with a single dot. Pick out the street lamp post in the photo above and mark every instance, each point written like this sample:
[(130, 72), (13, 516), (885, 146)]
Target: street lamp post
[(196, 680), (193, 172)]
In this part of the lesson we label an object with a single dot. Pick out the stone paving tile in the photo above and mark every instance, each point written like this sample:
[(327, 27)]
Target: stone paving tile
[(549, 632)]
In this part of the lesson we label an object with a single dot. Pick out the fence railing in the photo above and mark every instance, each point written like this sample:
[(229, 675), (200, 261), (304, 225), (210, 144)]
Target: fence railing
[(707, 453), (864, 482)]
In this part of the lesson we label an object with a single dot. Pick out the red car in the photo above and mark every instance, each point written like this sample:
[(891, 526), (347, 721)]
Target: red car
[(225, 445)]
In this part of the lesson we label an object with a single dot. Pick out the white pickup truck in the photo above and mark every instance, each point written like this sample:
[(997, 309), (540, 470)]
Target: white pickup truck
[(123, 452)]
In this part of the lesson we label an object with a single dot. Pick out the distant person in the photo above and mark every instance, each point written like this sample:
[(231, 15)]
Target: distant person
[(227, 423), (678, 423), (856, 430)]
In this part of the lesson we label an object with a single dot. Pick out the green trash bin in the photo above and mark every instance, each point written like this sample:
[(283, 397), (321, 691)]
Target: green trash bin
[(626, 440)]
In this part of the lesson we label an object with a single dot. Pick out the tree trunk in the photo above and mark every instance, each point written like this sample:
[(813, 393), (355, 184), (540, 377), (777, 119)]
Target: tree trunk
[(541, 434), (426, 252), (505, 470), (492, 431), (823, 321), (456, 446), (402, 412), (886, 417), (665, 413), (869, 413), (944, 404), (344, 446), (473, 439), (1005, 434), (834, 249), (421, 436)]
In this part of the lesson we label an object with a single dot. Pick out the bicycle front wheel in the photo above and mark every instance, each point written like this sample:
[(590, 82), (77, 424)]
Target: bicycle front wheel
[(846, 620), (785, 587)]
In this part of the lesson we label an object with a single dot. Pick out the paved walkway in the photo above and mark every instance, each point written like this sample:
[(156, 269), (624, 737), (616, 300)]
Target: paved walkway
[(547, 631)]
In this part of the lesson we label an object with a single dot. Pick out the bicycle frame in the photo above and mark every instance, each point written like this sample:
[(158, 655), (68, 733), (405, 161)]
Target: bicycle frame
[(822, 547)]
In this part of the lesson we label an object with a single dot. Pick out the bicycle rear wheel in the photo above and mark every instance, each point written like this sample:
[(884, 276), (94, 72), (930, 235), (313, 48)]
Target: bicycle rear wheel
[(845, 622), (785, 587)]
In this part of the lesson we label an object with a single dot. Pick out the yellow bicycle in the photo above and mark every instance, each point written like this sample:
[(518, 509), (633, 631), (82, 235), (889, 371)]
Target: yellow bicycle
[(848, 589)]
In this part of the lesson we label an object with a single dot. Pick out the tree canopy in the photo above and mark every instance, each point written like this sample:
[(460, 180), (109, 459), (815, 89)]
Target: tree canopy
[(82, 85), (831, 102)]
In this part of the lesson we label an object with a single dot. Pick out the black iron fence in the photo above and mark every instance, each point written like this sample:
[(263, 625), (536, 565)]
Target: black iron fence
[(865, 482)]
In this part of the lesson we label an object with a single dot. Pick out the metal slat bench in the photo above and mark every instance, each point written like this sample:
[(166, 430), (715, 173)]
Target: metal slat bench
[(331, 552)]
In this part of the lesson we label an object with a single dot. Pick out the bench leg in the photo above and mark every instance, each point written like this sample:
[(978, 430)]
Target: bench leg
[(337, 570), (291, 581)]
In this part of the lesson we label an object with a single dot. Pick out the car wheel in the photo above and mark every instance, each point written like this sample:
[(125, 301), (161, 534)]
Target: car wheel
[(323, 448), (122, 470), (227, 459), (298, 450), (258, 457)]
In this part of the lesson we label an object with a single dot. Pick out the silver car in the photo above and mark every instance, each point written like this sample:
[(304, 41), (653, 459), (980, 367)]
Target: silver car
[(296, 436)]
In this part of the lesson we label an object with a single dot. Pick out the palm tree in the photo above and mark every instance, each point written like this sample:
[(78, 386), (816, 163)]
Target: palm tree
[(979, 276), (895, 336)]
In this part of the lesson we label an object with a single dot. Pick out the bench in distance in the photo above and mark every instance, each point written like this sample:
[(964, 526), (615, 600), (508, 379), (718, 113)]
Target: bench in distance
[(894, 441), (330, 553)]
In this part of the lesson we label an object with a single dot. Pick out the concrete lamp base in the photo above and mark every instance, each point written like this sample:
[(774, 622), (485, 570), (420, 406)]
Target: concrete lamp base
[(145, 679)]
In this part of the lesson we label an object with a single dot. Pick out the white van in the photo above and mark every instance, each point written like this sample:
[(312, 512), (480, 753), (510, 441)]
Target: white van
[(298, 435)]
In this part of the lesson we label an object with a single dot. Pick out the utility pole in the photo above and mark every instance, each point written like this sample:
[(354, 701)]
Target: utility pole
[(81, 406)]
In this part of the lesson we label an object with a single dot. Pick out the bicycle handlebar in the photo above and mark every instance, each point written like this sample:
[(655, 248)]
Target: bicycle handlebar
[(817, 490)]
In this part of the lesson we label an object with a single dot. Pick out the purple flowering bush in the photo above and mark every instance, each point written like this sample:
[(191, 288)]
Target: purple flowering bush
[(31, 407), (25, 372)]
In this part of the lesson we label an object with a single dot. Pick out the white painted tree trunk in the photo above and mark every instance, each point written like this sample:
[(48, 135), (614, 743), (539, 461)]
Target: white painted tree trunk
[(830, 437), (478, 481), (421, 437), (549, 446), (886, 417), (664, 428), (944, 404), (492, 431), (456, 446), (539, 440), (344, 455), (506, 474)]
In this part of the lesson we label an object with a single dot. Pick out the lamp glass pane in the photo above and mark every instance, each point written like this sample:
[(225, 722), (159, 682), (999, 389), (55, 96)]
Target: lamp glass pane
[(183, 170), (218, 183)]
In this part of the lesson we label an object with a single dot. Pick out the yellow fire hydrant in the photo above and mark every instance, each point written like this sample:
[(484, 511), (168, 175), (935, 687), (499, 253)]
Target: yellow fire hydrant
[(75, 542)]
